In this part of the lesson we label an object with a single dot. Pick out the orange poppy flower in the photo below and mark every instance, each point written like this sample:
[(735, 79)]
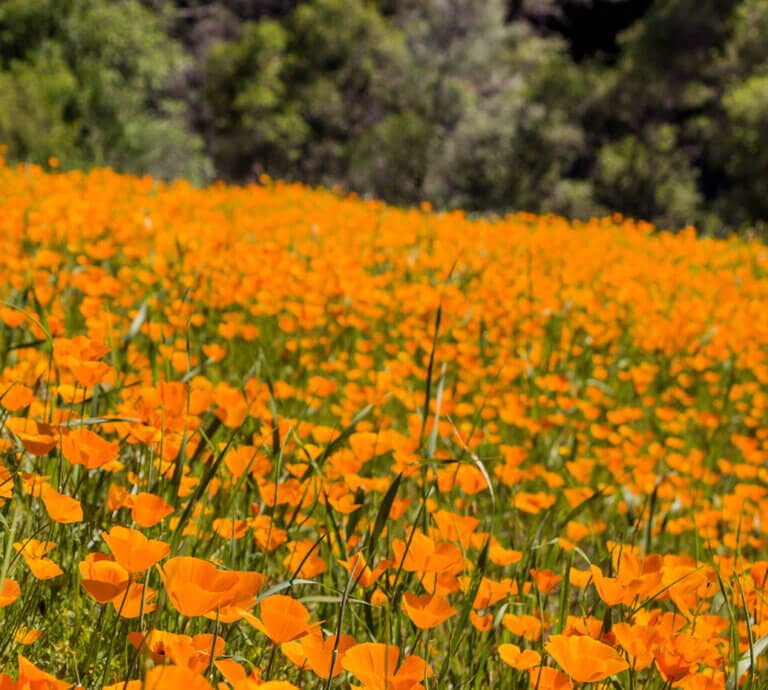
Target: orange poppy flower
[(243, 597), (85, 447), (9, 592), (501, 556), (483, 623), (233, 672), (282, 618), (195, 586), (613, 590), (524, 625), (489, 592), (155, 643), (133, 550), (87, 374), (17, 397), (533, 503), (37, 438), (228, 528), (294, 652), (638, 641), (364, 575), (102, 578), (584, 659), (545, 580), (137, 598), (520, 660), (171, 677), (61, 508), (375, 665), (30, 676), (305, 557), (427, 556), (319, 653), (26, 636), (548, 678), (147, 509), (33, 552), (427, 611)]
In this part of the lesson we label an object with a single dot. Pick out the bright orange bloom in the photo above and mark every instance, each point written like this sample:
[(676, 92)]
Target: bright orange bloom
[(174, 677), (9, 592), (304, 559), (548, 678), (524, 625), (483, 623), (33, 552), (85, 447), (533, 503), (16, 397), (427, 611), (135, 599), (638, 641), (425, 555), (195, 586), (545, 580), (375, 665), (363, 573), (282, 618), (319, 653), (30, 676), (584, 659), (147, 509), (88, 373), (133, 550), (26, 637), (103, 578), (243, 597), (61, 508), (517, 659), (190, 652), (37, 438)]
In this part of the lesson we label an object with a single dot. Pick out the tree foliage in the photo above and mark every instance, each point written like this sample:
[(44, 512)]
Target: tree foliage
[(90, 81), (488, 105)]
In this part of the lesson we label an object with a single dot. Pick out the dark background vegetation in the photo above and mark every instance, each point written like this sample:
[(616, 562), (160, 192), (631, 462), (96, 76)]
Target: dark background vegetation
[(656, 109)]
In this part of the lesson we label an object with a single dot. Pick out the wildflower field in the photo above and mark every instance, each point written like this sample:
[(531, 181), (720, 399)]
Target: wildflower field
[(269, 437)]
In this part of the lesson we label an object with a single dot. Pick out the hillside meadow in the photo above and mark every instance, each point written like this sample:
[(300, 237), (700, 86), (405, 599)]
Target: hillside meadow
[(272, 437)]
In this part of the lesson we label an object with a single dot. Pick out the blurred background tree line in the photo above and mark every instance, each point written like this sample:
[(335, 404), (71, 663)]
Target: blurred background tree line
[(656, 109)]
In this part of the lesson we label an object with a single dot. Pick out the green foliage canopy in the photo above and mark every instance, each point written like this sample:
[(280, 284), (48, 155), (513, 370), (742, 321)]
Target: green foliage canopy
[(487, 105)]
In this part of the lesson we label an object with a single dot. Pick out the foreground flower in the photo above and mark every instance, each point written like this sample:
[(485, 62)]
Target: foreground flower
[(283, 619), (34, 554), (374, 664), (195, 586), (9, 592), (520, 660), (193, 652), (548, 678), (320, 655), (133, 550), (427, 611), (584, 659), (242, 597), (103, 578), (32, 678), (175, 677), (148, 509), (61, 508)]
